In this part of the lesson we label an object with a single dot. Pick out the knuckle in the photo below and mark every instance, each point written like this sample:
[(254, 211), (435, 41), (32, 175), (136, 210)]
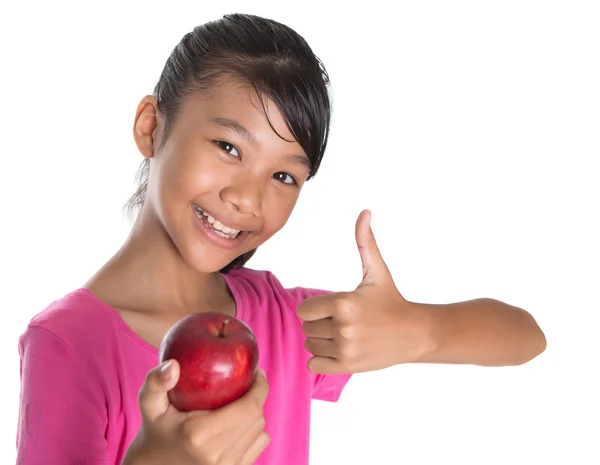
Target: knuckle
[(347, 353), (147, 386), (150, 379), (260, 382), (251, 407), (187, 432), (210, 458), (344, 306), (262, 395), (347, 331), (214, 458), (266, 387), (264, 439), (142, 394), (308, 345), (305, 326), (256, 405), (143, 399), (192, 435)]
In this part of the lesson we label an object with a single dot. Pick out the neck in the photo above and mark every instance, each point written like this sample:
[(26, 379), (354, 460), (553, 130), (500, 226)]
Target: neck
[(148, 274)]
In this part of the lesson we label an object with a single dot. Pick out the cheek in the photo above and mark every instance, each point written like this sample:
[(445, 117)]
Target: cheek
[(190, 175), (277, 210)]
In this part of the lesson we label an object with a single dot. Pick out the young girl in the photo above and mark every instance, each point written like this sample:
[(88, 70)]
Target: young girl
[(238, 122)]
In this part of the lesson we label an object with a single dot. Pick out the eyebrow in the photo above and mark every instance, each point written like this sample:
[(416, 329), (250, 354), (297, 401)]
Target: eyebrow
[(237, 127), (250, 137), (300, 160)]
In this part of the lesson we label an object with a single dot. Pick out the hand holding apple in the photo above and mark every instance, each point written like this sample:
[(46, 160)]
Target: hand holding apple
[(370, 328), (233, 433)]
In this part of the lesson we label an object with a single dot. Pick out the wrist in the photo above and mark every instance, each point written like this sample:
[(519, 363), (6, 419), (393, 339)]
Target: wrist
[(430, 330)]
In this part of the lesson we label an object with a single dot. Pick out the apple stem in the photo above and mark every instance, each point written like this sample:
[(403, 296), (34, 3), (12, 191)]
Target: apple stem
[(223, 332)]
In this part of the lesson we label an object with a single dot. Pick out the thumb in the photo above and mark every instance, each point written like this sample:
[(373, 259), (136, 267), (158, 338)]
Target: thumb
[(374, 267), (153, 397)]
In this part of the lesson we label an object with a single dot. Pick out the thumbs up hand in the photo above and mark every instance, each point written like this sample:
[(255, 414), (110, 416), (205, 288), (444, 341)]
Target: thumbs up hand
[(367, 329)]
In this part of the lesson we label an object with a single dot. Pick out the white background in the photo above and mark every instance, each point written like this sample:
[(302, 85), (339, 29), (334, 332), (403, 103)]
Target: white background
[(471, 129)]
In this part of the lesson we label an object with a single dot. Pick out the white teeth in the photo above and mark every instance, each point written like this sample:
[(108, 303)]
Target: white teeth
[(219, 233), (218, 227)]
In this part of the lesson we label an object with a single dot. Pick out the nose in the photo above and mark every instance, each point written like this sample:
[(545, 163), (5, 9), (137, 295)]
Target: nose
[(244, 193)]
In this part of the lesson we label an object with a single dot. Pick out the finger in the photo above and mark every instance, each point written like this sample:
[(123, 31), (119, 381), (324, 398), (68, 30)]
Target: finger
[(257, 448), (319, 307), (260, 387), (240, 447), (235, 418), (325, 366), (153, 396), (322, 347), (374, 267), (248, 407), (323, 329)]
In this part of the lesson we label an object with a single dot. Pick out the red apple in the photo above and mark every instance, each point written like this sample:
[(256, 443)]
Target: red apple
[(218, 356)]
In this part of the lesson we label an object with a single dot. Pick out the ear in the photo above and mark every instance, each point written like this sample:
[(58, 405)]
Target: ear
[(145, 125)]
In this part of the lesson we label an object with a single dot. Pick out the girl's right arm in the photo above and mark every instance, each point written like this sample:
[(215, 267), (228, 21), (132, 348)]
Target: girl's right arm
[(62, 416)]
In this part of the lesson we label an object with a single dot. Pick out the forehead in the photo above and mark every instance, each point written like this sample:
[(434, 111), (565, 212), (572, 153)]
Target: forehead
[(234, 100)]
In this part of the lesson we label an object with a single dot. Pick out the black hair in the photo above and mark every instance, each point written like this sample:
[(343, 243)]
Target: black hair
[(276, 61)]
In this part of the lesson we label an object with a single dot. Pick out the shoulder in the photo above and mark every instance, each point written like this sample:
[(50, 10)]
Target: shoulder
[(77, 319), (262, 284)]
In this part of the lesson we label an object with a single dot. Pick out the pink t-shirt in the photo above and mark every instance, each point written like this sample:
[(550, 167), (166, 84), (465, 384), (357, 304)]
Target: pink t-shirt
[(82, 368)]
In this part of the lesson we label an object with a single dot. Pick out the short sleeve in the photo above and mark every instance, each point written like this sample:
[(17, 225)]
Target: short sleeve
[(329, 387), (326, 387), (62, 412)]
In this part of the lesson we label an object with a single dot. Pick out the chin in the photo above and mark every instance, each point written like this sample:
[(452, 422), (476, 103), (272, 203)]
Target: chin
[(208, 264), (207, 259)]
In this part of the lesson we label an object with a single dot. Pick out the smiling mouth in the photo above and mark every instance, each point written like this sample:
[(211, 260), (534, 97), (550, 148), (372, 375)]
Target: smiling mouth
[(215, 225)]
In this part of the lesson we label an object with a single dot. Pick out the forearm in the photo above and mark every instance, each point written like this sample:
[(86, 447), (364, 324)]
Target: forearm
[(483, 332)]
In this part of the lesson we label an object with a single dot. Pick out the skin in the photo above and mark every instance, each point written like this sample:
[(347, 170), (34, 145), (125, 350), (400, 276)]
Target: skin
[(166, 269)]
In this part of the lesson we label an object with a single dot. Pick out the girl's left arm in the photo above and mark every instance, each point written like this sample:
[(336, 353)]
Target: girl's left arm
[(374, 326)]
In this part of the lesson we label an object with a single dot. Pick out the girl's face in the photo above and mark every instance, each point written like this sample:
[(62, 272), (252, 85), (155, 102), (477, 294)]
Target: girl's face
[(224, 182)]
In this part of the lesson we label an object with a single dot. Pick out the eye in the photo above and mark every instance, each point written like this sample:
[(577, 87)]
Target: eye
[(285, 178), (228, 148)]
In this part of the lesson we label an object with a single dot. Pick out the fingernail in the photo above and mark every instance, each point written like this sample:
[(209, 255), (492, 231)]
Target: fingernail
[(262, 372), (165, 370)]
